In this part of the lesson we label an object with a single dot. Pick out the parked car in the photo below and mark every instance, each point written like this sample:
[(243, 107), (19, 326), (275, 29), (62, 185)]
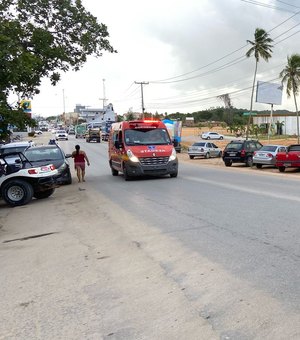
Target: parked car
[(38, 132), (13, 149), (61, 135), (267, 155), (204, 149), (45, 154), (211, 135), (19, 185), (240, 151), (289, 158)]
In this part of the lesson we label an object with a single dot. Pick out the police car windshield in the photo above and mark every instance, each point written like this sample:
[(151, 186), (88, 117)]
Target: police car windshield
[(147, 137)]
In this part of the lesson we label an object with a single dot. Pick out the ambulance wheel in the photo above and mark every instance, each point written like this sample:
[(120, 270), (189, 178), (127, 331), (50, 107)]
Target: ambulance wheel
[(125, 174)]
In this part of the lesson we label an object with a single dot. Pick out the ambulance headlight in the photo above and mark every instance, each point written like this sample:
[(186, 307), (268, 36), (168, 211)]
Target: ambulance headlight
[(132, 157), (173, 155)]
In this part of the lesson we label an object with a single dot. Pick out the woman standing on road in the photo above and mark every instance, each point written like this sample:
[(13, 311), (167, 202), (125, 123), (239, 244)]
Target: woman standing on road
[(79, 162)]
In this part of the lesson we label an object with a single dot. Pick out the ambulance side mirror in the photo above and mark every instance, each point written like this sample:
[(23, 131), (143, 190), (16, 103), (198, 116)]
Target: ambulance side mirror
[(118, 145)]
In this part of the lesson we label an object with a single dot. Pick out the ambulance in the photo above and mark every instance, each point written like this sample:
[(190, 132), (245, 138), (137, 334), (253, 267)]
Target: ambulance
[(141, 148)]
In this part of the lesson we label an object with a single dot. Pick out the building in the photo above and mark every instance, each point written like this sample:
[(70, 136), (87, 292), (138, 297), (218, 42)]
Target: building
[(95, 114), (283, 123)]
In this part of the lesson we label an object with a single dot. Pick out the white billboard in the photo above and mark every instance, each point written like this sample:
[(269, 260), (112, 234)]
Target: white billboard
[(268, 93)]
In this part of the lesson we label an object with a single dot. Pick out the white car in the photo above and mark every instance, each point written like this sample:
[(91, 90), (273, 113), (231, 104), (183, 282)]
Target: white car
[(211, 135), (61, 134), (19, 184), (38, 132), (14, 147)]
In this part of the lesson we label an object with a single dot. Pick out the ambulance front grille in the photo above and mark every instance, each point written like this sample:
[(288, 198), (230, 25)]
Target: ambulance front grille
[(154, 160)]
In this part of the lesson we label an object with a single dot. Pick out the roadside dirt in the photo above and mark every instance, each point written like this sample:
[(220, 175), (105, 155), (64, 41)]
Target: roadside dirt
[(191, 135)]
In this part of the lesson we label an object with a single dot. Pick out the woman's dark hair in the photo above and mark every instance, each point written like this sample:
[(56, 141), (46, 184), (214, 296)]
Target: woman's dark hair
[(77, 147)]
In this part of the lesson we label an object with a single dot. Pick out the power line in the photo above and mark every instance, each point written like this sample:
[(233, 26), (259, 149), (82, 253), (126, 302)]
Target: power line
[(257, 3)]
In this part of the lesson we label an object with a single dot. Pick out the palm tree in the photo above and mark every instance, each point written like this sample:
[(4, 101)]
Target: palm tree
[(261, 48), (291, 76)]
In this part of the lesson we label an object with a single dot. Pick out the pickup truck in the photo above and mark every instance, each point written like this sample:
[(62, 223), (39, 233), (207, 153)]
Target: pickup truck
[(288, 159)]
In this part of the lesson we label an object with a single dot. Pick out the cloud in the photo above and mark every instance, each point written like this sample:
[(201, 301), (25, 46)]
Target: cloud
[(201, 45)]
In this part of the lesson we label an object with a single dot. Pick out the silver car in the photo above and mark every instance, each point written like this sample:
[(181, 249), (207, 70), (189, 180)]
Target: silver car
[(204, 149), (267, 155)]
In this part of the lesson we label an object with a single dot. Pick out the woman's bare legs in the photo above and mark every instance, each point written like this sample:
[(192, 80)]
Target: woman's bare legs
[(78, 170)]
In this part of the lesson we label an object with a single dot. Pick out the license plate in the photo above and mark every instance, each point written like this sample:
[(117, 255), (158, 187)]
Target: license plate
[(45, 169), (287, 164), (232, 154)]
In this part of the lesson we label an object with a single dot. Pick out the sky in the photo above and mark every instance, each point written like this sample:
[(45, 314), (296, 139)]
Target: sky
[(188, 52)]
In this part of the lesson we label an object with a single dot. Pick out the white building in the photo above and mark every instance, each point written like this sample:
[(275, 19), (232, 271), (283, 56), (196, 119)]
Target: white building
[(98, 115), (287, 121)]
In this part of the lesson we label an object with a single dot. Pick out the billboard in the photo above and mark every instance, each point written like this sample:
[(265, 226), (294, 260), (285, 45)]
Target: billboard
[(268, 93), (25, 104)]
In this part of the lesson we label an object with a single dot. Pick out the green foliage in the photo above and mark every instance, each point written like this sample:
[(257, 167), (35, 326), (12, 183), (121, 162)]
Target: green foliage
[(39, 39), (130, 116), (291, 76)]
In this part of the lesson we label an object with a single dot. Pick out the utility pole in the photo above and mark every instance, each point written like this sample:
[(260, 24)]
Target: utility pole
[(142, 83), (104, 99)]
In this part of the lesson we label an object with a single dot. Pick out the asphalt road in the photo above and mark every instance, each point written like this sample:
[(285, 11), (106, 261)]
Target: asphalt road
[(226, 239)]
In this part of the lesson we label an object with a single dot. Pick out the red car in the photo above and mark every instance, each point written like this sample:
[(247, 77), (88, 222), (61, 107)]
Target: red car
[(288, 159)]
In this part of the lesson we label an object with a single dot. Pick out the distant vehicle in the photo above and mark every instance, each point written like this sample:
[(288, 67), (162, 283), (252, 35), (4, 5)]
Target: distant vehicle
[(211, 135), (80, 130), (289, 158), (204, 149), (105, 129), (18, 186), (175, 130), (93, 135), (38, 132), (71, 131), (267, 155), (45, 154), (240, 151), (61, 135)]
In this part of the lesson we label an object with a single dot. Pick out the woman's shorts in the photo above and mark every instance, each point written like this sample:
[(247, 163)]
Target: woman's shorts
[(80, 165)]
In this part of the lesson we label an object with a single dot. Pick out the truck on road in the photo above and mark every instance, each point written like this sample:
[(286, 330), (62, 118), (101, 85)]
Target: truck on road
[(93, 134), (80, 130)]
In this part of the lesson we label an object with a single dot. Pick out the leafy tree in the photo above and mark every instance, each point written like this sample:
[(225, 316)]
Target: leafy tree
[(261, 48), (130, 116), (291, 76), (39, 39)]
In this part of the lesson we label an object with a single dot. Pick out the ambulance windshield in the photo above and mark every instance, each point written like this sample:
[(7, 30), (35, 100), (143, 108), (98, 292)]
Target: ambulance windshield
[(147, 137)]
